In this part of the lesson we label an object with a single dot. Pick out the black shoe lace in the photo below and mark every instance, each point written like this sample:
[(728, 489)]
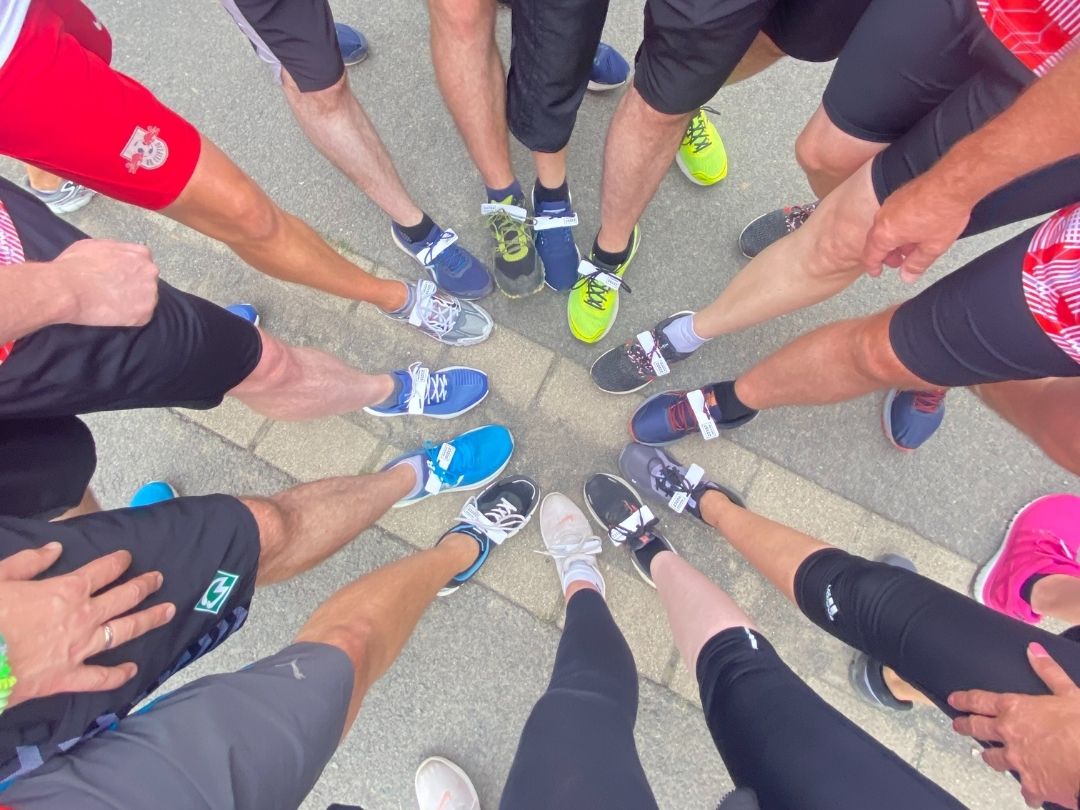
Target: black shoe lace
[(596, 292), (795, 216), (625, 536), (669, 479), (695, 133), (643, 360)]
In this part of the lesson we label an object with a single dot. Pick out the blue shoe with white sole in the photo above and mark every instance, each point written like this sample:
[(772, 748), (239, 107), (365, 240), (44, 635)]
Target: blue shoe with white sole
[(351, 43), (609, 69), (245, 311), (909, 418), (153, 492), (451, 267), (553, 236), (441, 394)]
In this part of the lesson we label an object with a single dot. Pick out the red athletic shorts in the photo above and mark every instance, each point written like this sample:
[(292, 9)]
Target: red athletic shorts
[(71, 114)]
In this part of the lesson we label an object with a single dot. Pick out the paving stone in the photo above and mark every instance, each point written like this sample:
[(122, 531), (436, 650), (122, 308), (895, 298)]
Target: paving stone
[(570, 397), (313, 450), (516, 366), (684, 684), (231, 419), (877, 536), (724, 461), (517, 572), (640, 615)]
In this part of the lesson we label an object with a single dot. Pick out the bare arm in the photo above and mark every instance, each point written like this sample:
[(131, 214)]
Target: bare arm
[(32, 296)]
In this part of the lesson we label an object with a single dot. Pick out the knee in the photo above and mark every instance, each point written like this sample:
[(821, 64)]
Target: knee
[(356, 638), (275, 370), (874, 355), (835, 250), (464, 20), (250, 214), (820, 157), (324, 102)]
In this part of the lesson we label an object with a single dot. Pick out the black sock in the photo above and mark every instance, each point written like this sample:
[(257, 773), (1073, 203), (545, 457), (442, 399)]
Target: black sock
[(500, 194), (1029, 585), (648, 553), (544, 194), (610, 258), (416, 233), (728, 405)]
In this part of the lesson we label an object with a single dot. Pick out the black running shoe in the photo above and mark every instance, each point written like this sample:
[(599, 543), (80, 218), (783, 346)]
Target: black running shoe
[(614, 505), (662, 478), (772, 227), (639, 361)]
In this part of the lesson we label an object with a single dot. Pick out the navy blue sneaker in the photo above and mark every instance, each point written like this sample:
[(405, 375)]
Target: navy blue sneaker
[(352, 44), (245, 311), (554, 240), (609, 69), (662, 478), (909, 418), (441, 394), (495, 515), (667, 417), (452, 268)]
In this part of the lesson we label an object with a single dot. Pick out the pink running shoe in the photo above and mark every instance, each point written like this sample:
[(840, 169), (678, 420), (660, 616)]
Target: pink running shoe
[(1043, 538)]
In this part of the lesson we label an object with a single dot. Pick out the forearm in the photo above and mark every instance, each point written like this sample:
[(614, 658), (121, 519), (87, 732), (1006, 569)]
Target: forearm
[(32, 296)]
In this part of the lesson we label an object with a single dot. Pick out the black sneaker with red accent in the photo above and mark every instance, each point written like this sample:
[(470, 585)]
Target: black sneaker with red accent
[(615, 505), (639, 361)]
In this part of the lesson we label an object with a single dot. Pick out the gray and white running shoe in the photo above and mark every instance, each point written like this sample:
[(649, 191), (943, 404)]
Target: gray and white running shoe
[(772, 227), (68, 198), (663, 478), (444, 317)]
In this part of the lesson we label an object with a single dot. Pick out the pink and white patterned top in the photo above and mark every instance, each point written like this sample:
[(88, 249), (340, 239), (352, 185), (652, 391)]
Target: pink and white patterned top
[(11, 252), (1052, 279), (1040, 33)]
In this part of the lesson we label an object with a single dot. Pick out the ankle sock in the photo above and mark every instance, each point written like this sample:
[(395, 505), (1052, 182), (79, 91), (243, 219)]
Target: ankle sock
[(728, 407), (418, 232), (419, 466), (409, 301), (542, 193), (1029, 586), (583, 572), (500, 194), (682, 335), (610, 258), (648, 553)]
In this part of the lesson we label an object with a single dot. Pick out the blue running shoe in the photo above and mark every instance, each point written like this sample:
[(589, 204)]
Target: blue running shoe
[(245, 311), (667, 417), (441, 394), (909, 418), (452, 268), (352, 44), (554, 241), (609, 69), (151, 493), (495, 515), (468, 461)]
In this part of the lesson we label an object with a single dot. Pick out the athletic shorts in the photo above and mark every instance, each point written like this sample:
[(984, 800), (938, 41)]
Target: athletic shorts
[(296, 36), (207, 549), (71, 114), (256, 739)]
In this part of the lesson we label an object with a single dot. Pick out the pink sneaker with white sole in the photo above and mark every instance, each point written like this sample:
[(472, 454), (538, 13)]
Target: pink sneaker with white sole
[(1043, 538)]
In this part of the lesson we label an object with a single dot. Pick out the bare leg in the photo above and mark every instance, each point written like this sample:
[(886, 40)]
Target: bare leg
[(828, 155), (293, 383), (87, 506), (41, 179), (902, 690), (1057, 595), (763, 53), (223, 203), (471, 77), (1045, 410), (335, 122), (551, 168)]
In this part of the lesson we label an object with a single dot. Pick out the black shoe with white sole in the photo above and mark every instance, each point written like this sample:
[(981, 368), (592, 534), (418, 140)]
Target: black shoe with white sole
[(615, 505)]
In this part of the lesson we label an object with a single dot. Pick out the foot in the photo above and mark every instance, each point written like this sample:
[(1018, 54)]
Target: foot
[(627, 521), (495, 515), (441, 394), (153, 492), (701, 156), (442, 316), (609, 69), (594, 298), (637, 362), (352, 44), (662, 478), (442, 785), (468, 461), (772, 227), (1043, 538), (451, 267), (667, 417), (517, 267), (909, 418), (866, 674), (66, 199), (554, 239), (245, 311), (569, 541)]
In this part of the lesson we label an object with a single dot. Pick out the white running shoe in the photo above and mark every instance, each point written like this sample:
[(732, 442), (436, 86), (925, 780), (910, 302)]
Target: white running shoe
[(66, 199), (442, 785), (570, 541)]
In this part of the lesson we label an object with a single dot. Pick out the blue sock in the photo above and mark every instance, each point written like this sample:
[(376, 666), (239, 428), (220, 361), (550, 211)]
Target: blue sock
[(682, 335), (500, 194)]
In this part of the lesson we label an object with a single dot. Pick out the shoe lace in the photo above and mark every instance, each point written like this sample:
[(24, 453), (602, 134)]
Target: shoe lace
[(439, 313), (697, 134), (928, 401), (462, 455), (512, 237), (454, 260), (503, 516), (596, 293), (643, 360), (569, 546), (437, 387), (619, 535), (796, 215), (681, 415), (669, 479)]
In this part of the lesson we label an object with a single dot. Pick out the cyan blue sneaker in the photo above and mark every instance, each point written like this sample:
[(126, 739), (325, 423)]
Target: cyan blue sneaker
[(554, 240), (245, 311), (352, 44), (153, 492), (667, 417), (469, 461), (609, 69), (493, 516), (441, 394), (452, 268), (909, 418)]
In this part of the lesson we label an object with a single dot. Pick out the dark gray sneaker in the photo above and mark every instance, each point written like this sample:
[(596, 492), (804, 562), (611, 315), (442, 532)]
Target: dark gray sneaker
[(626, 520), (639, 361), (518, 271), (772, 227), (663, 478)]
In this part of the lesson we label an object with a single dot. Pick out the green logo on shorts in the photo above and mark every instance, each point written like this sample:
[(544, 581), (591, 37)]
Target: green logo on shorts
[(220, 587)]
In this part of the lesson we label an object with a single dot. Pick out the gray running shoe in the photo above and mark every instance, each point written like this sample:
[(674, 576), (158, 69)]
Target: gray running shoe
[(772, 227), (661, 477), (866, 674), (518, 271), (70, 197), (639, 361), (445, 318)]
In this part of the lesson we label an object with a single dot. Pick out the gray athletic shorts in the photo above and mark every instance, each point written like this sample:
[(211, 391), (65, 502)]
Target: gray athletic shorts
[(256, 739)]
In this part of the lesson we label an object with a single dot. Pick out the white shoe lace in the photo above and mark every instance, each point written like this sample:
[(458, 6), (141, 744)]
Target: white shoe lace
[(569, 547), (437, 384), (499, 522), (436, 311)]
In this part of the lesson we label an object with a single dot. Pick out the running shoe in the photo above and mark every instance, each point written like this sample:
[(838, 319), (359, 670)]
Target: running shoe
[(442, 785), (559, 254), (441, 394), (570, 542), (667, 417), (662, 478), (443, 317), (909, 418), (637, 362), (609, 69), (66, 199), (740, 799), (517, 267), (701, 156), (772, 227), (468, 461), (451, 267), (614, 505), (492, 517), (867, 675), (245, 311), (1042, 539), (153, 492), (594, 298), (352, 44)]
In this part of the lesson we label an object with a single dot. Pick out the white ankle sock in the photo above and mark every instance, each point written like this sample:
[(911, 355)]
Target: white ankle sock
[(419, 465), (682, 335), (583, 572)]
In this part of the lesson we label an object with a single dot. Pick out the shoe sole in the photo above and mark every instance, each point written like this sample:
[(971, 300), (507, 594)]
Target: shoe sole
[(434, 415), (686, 173), (470, 487), (886, 423), (466, 297), (450, 766), (615, 310), (981, 578), (356, 60), (600, 87)]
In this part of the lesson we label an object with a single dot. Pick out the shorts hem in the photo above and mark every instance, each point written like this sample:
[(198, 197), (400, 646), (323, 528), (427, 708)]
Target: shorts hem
[(854, 130)]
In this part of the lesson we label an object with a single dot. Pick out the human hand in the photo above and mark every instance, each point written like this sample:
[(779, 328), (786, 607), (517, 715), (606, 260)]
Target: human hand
[(51, 626), (111, 283), (1039, 734)]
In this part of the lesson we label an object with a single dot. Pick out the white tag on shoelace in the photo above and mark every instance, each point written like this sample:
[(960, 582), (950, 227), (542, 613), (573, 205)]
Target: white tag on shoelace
[(446, 453), (543, 223), (678, 501), (428, 255), (659, 365), (705, 422), (604, 279), (433, 483), (470, 513), (514, 211), (424, 290), (419, 390), (635, 522)]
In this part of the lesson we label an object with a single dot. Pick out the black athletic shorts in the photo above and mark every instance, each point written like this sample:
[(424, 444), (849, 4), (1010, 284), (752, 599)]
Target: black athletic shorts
[(207, 549), (292, 35)]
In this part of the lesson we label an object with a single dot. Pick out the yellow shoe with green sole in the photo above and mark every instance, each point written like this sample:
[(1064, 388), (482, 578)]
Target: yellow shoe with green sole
[(702, 157), (594, 298)]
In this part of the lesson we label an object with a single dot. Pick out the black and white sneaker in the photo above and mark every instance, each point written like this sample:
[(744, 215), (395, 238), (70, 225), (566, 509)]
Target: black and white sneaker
[(637, 362), (663, 478), (772, 227), (627, 521)]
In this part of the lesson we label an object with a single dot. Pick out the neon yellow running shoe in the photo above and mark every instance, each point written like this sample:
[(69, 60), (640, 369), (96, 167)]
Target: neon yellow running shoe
[(594, 298), (702, 157)]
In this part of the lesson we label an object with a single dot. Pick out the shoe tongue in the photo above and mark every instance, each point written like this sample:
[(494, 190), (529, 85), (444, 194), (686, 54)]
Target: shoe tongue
[(552, 207)]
